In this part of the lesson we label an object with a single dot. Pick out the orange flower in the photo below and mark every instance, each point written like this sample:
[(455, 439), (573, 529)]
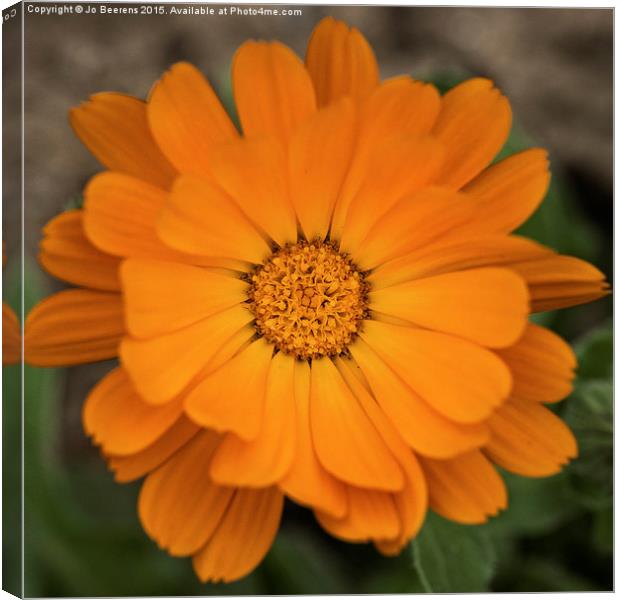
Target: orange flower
[(11, 337), (330, 306), (11, 331)]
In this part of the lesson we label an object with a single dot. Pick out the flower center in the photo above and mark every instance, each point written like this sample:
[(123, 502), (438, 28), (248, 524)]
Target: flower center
[(308, 300)]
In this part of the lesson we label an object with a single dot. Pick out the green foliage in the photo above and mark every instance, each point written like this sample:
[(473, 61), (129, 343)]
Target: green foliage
[(536, 506), (589, 413), (11, 479), (603, 531), (546, 575), (12, 445), (595, 353), (301, 566), (450, 557)]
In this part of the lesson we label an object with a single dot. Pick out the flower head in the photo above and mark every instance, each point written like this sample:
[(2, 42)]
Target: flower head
[(329, 305)]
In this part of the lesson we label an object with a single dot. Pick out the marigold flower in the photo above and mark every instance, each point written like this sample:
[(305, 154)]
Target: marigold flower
[(329, 306)]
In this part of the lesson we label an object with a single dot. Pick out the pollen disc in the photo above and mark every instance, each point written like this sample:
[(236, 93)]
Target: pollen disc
[(308, 300)]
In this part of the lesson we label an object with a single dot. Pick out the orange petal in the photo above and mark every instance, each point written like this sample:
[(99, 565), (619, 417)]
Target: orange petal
[(161, 297), (233, 397), (372, 515), (68, 254), (546, 298), (460, 380), (253, 173), (421, 427), (233, 346), (528, 439), (397, 168), (456, 254), (187, 119), (243, 537), (267, 459), (179, 506), (319, 156), (115, 129), (411, 502), (161, 367), (542, 365), (11, 336), (346, 442), (398, 107), (473, 124), (74, 327), (487, 306), (340, 62), (200, 219), (133, 466), (466, 489), (561, 281), (273, 91), (120, 213), (508, 192), (120, 216), (401, 104), (413, 222), (307, 481), (120, 421)]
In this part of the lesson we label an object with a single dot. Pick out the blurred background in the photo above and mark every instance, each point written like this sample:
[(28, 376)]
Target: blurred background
[(82, 535)]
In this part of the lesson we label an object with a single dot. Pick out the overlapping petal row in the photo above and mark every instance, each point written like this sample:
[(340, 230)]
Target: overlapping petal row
[(447, 376)]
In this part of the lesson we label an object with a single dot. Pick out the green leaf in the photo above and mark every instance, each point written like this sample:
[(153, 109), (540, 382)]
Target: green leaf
[(603, 530), (453, 558), (589, 413), (392, 580), (560, 224), (545, 575), (595, 353), (301, 566), (535, 506)]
